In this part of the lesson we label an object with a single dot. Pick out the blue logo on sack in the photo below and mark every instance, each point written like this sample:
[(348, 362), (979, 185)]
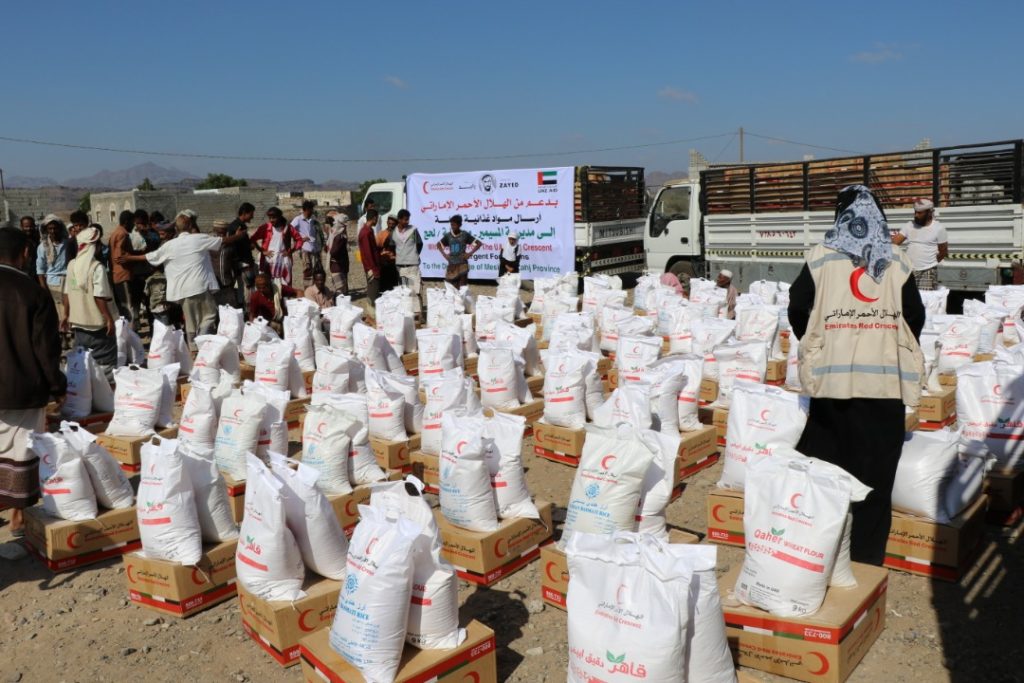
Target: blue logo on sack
[(592, 491), (351, 583)]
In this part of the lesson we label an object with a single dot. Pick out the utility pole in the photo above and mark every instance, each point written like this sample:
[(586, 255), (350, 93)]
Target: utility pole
[(741, 144)]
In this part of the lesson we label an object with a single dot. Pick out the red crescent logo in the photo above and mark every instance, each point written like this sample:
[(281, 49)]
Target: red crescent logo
[(997, 390), (497, 547), (561, 368), (618, 593), (636, 348), (425, 190), (349, 504), (764, 415), (71, 540), (320, 427), (459, 446), (369, 546), (855, 277), (824, 664), (237, 412), (403, 453), (547, 570), (49, 463), (714, 512), (472, 676), (606, 460), (197, 578), (128, 572), (793, 499), (302, 621)]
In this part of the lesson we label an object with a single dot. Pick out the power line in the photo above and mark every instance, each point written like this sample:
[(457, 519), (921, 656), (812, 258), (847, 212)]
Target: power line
[(719, 155), (320, 160), (801, 144)]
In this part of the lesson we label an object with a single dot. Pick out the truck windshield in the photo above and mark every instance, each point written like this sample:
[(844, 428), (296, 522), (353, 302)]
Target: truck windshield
[(382, 202), (673, 205)]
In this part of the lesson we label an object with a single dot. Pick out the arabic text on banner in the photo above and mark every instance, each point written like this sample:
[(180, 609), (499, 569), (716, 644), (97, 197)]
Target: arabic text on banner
[(536, 203)]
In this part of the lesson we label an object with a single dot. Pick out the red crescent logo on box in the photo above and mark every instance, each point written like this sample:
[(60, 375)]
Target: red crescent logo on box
[(302, 621), (403, 453), (793, 499), (349, 504), (71, 540), (459, 446), (128, 573), (369, 546), (855, 277), (497, 547), (824, 664), (607, 460), (547, 570), (472, 676), (618, 594), (714, 512), (197, 578)]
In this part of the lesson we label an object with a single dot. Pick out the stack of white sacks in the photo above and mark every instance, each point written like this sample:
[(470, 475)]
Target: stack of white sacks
[(77, 476), (615, 533)]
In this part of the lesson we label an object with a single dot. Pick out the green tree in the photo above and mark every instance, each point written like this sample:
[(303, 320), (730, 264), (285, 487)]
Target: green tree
[(146, 185), (85, 203), (357, 196), (215, 181)]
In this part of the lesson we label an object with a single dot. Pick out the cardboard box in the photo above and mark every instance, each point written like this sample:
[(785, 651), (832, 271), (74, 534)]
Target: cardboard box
[(535, 383), (411, 362), (172, 588), (532, 411), (725, 516), (394, 455), (709, 390), (127, 450), (947, 379), (346, 507), (469, 366), (560, 444), (784, 342), (822, 648), (913, 420), (942, 551), (937, 410), (775, 372), (236, 497), (604, 366), (277, 626), (720, 419), (425, 468), (697, 450), (63, 545), (475, 660), (554, 574), (485, 557), (248, 372), (1005, 489)]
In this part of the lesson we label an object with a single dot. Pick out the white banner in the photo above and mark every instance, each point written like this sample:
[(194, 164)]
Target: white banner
[(535, 203)]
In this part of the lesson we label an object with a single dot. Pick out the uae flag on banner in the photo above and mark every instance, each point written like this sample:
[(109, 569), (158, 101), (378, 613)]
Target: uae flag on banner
[(547, 177)]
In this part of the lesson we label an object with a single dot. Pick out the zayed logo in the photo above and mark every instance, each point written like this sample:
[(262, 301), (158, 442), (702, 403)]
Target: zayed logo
[(351, 583), (855, 289)]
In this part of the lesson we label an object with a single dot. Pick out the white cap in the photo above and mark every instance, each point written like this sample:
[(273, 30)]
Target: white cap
[(726, 274), (513, 235), (187, 213), (923, 204)]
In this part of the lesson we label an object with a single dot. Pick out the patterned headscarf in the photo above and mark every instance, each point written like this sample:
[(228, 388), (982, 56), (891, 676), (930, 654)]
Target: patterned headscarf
[(861, 231)]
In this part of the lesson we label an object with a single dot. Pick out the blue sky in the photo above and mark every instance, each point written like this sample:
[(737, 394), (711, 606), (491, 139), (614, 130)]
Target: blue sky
[(459, 79)]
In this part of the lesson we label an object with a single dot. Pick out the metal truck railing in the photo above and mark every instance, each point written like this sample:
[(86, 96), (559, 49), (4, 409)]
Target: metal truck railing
[(964, 175)]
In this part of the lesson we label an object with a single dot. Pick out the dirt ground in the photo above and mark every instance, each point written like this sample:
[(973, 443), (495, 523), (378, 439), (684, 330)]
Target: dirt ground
[(79, 626)]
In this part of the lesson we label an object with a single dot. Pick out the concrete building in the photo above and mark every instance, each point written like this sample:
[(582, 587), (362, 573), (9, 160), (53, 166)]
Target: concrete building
[(210, 205), (333, 199)]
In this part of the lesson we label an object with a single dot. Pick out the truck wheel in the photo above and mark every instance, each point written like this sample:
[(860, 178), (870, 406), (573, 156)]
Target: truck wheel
[(684, 271)]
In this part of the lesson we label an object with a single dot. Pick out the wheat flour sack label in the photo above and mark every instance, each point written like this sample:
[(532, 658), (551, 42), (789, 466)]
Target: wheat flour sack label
[(535, 203)]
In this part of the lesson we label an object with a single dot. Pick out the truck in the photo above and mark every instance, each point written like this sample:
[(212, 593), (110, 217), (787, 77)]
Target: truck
[(610, 216), (758, 220)]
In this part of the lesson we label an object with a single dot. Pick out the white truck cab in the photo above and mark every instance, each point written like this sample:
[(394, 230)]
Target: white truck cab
[(673, 243)]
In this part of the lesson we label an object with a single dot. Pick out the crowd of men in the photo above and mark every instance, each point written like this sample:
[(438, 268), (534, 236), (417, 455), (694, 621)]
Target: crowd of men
[(152, 269)]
